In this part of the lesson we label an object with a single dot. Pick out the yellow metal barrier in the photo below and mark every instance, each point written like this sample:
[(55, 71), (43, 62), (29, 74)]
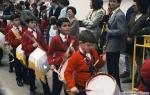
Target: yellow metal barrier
[(146, 44)]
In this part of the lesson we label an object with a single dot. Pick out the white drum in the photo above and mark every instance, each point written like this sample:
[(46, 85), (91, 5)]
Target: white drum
[(61, 71), (38, 62), (2, 40), (102, 84), (20, 54)]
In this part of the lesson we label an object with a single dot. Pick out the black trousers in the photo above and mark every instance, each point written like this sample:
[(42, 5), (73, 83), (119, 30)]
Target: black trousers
[(11, 62), (57, 85), (1, 55), (20, 69), (46, 88), (113, 65)]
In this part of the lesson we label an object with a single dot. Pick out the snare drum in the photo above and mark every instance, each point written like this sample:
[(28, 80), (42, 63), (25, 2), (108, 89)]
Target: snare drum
[(61, 71), (2, 40), (20, 55), (37, 59), (102, 84)]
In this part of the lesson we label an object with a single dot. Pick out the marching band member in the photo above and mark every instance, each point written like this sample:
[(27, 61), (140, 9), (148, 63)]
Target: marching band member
[(11, 59), (30, 41), (57, 51), (13, 37), (144, 85), (82, 64)]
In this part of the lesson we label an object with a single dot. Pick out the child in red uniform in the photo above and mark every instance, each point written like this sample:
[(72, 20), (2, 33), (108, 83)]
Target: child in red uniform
[(28, 46), (145, 77), (13, 37), (57, 51), (82, 64)]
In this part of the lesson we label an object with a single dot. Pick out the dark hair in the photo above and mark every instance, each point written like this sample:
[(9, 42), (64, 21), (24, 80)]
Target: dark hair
[(53, 20), (97, 4), (27, 5), (72, 8), (18, 7), (119, 1), (61, 21), (143, 5), (87, 36), (21, 2), (64, 2), (43, 7), (14, 16), (28, 20), (34, 4), (54, 1)]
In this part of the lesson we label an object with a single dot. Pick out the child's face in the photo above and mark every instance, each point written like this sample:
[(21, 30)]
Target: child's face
[(16, 22), (86, 47), (32, 24), (65, 28)]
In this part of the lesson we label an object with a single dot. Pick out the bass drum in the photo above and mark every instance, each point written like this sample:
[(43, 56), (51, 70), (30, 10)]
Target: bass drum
[(38, 62), (2, 40), (20, 55), (61, 71), (102, 84)]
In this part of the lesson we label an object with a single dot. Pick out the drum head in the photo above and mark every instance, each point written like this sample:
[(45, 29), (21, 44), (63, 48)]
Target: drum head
[(101, 84)]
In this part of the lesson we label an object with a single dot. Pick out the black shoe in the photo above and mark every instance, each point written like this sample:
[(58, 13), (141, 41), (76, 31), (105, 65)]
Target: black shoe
[(32, 93), (124, 74), (136, 84), (26, 81), (121, 90), (128, 80), (11, 70), (20, 83)]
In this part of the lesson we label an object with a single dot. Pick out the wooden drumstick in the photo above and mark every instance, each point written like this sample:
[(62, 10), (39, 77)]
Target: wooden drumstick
[(96, 63), (81, 90), (71, 44)]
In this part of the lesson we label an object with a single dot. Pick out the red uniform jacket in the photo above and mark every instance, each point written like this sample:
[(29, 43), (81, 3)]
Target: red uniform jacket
[(43, 25), (58, 48), (8, 27), (145, 77), (77, 72), (27, 43), (12, 39)]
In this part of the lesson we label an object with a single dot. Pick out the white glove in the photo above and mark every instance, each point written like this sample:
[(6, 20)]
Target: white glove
[(35, 45), (74, 90)]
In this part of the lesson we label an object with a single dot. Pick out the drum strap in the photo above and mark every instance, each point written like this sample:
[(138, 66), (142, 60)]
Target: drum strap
[(89, 64), (16, 33)]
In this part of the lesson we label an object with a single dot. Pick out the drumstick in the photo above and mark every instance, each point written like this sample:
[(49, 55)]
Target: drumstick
[(56, 71), (70, 46), (81, 90), (96, 62)]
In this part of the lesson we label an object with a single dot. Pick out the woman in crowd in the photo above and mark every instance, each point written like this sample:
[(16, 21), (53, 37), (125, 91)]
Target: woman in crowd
[(95, 16), (71, 12)]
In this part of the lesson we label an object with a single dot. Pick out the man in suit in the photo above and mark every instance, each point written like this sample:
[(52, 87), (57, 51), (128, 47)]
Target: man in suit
[(116, 31), (55, 9)]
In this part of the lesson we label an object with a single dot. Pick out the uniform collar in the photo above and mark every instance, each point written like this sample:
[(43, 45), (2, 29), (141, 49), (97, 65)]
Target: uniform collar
[(63, 37), (30, 30), (16, 28)]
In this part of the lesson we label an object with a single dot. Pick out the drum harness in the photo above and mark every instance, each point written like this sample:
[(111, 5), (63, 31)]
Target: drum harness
[(88, 62)]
